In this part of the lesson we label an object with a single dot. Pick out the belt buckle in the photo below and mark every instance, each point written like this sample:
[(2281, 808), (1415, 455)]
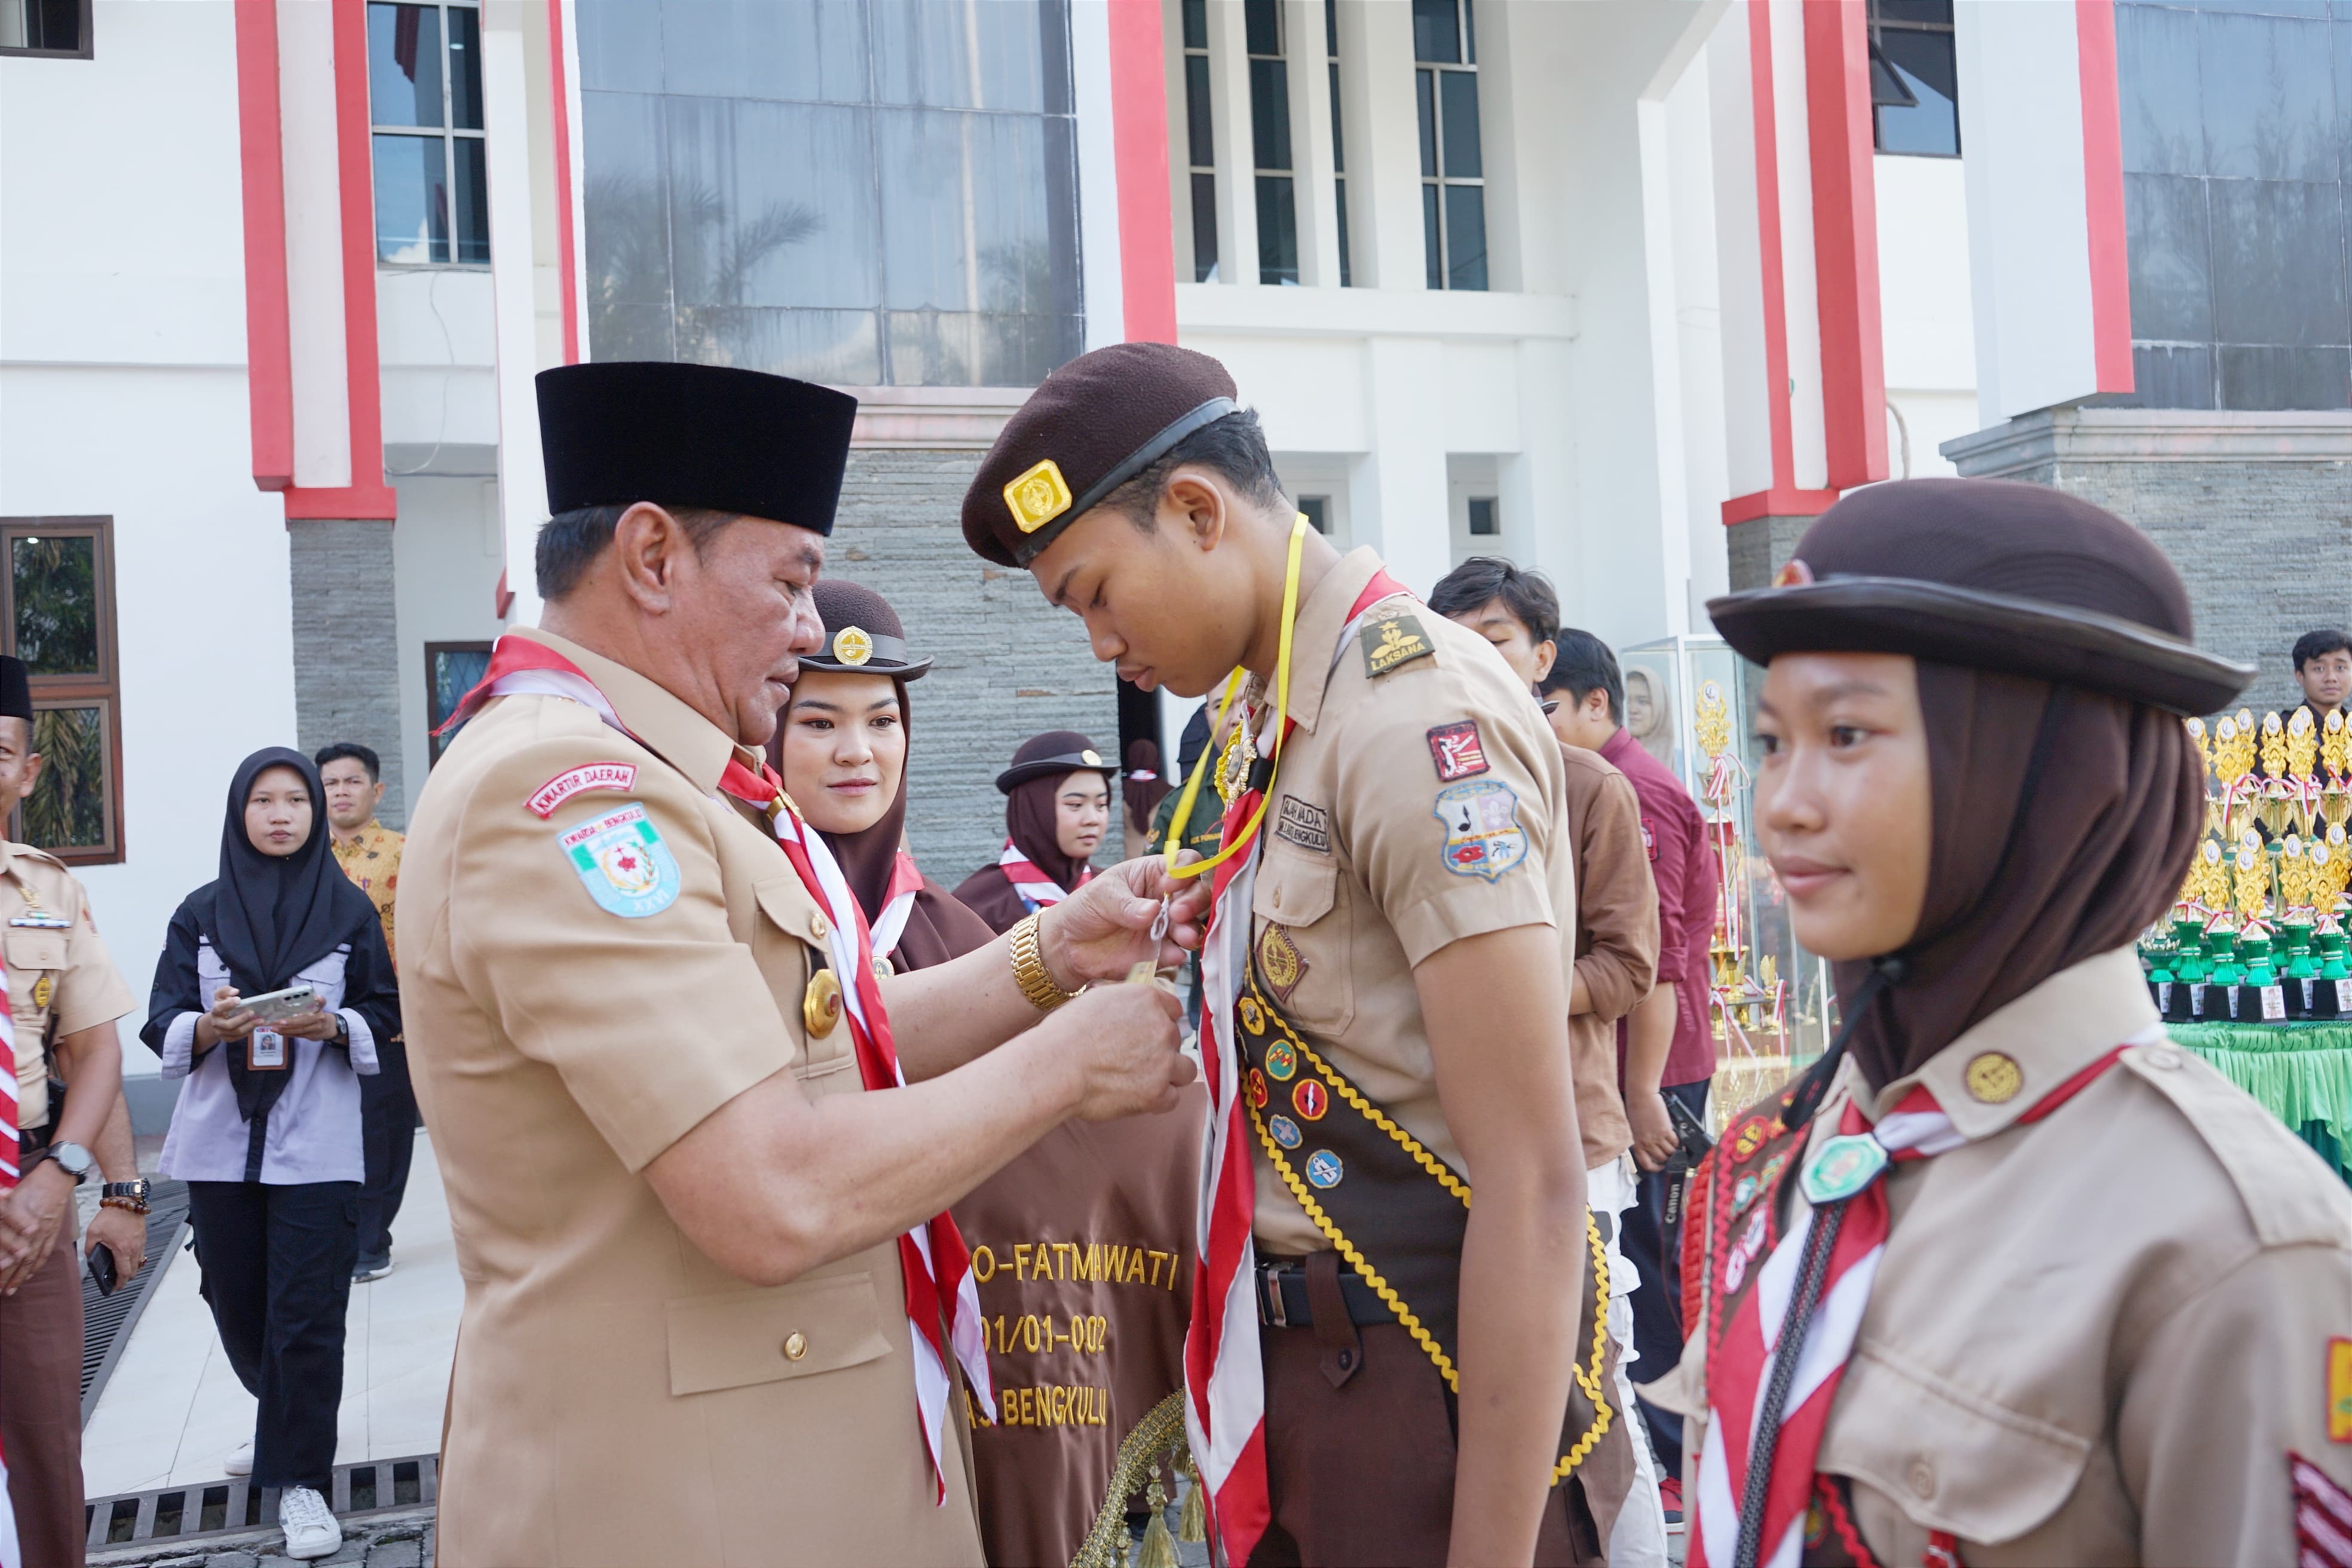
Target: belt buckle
[(1269, 1289)]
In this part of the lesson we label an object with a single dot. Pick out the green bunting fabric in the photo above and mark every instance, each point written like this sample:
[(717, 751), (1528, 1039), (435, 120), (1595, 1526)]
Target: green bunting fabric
[(2301, 1072)]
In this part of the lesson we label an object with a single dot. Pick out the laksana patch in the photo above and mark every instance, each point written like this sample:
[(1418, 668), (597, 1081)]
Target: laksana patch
[(1392, 641), (1457, 750), (1309, 826), (591, 776), (623, 864), (1483, 835)]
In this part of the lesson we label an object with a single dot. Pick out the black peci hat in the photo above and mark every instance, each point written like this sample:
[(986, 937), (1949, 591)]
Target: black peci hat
[(1990, 574), (15, 689), (740, 441), (1088, 428), (862, 633), (1054, 753)]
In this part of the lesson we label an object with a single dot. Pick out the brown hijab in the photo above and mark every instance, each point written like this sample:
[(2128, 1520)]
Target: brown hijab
[(2062, 822)]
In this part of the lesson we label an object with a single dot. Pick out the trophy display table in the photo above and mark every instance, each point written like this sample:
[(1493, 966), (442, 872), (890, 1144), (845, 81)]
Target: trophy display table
[(2302, 1072)]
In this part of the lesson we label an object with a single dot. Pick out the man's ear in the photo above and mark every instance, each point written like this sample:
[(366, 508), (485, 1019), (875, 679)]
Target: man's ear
[(1546, 651), (648, 545), (1195, 506), (1595, 705), (32, 772)]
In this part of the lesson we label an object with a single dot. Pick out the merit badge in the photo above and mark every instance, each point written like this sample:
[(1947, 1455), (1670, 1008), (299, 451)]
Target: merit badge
[(1392, 641), (1743, 1193), (1257, 1091), (2339, 1391), (1483, 837), (1323, 1169), (1285, 1132), (1038, 497), (1842, 1167), (1253, 1015), (1457, 750), (1282, 1060), (1279, 961), (1743, 1252), (1309, 826), (852, 646), (43, 989), (1310, 1100), (1993, 1078), (591, 776), (623, 864)]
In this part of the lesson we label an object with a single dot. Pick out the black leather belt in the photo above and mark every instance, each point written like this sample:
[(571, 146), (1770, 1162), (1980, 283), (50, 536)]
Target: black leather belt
[(1282, 1297), (33, 1140)]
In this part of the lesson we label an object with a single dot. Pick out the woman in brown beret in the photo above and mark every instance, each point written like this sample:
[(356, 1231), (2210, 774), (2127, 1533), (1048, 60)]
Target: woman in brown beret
[(1056, 810)]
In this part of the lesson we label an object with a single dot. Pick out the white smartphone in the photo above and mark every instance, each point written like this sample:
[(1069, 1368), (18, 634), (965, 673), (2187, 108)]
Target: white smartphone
[(277, 1006)]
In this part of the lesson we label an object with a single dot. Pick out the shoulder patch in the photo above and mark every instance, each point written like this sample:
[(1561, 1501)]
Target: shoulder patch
[(623, 864), (1392, 641), (2291, 1198), (1483, 835), (572, 781), (1457, 750)]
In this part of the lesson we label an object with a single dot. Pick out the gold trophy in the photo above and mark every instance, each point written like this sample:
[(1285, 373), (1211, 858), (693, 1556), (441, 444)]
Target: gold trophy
[(2251, 879), (2200, 746)]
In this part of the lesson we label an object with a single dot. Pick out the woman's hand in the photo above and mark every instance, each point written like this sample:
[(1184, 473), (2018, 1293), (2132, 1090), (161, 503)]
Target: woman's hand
[(1104, 930), (229, 1020), (317, 1025)]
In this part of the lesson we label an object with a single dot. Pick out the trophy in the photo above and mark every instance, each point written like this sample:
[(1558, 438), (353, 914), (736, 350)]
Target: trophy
[(2250, 882)]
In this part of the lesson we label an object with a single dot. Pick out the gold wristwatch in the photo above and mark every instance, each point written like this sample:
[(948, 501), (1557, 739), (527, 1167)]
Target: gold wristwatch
[(1029, 968)]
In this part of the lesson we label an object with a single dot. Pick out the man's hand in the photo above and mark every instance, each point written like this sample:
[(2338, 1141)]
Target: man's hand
[(30, 1216), (1125, 1041), (1655, 1138), (1104, 930), (229, 1020), (120, 1232)]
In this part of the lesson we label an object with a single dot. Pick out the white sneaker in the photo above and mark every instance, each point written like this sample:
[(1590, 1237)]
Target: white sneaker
[(310, 1528), (240, 1459)]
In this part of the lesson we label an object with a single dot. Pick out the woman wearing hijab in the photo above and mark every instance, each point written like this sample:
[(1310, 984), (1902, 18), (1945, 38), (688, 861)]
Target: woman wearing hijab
[(1056, 809), (267, 1129), (2006, 1277), (1070, 1412)]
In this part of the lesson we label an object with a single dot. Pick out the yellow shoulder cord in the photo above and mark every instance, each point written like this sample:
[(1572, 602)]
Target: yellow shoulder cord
[(1282, 710)]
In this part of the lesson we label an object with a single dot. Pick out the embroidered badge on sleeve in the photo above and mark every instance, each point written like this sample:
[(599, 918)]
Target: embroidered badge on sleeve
[(1309, 826), (2339, 1390), (623, 864), (1392, 641), (2322, 1515), (593, 775), (1457, 750), (1483, 835)]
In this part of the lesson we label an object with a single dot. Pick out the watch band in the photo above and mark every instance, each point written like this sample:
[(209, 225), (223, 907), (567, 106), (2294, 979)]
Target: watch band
[(139, 1190), (1029, 968)]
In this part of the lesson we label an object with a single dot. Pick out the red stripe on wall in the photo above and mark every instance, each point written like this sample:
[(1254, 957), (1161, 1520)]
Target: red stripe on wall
[(2103, 193), (1769, 263), (269, 363), (568, 266), (1846, 241), (1138, 119), (367, 496)]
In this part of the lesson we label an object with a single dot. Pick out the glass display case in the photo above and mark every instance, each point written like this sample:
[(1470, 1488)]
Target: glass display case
[(1690, 702)]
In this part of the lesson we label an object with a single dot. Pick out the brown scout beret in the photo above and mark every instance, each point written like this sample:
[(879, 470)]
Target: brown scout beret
[(1990, 574), (862, 633), (1088, 428)]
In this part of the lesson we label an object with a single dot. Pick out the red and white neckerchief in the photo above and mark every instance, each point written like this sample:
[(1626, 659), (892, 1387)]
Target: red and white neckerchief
[(1916, 1128), (1036, 890), (11, 1163), (1224, 1408), (520, 666), (905, 881), (932, 1259)]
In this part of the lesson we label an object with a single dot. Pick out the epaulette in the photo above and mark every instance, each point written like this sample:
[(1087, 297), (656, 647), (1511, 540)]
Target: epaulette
[(2290, 1195)]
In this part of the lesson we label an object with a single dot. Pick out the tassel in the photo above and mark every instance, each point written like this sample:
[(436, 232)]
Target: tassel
[(1192, 1524), (1159, 1550)]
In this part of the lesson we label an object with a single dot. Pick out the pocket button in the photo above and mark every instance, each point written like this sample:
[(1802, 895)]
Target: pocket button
[(795, 1345), (1922, 1477)]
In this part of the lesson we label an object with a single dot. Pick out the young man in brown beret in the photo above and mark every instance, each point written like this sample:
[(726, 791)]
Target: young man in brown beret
[(1385, 1018)]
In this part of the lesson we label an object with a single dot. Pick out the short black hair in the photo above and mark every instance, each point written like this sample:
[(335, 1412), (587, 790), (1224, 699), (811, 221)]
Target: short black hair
[(570, 541), (1483, 579), (1234, 447), (2317, 645), (364, 755), (1581, 663)]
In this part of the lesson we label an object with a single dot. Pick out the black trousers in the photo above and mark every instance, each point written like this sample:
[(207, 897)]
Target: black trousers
[(388, 1135), (1655, 1249), (277, 1264)]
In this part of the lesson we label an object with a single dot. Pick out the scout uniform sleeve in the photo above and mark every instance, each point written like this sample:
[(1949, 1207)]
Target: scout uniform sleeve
[(597, 938), (91, 991), (1617, 902), (1451, 831)]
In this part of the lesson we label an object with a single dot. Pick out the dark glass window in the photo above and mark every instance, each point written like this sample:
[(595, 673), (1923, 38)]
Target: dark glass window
[(1484, 523), (59, 28), (1914, 79), (1277, 198), (1454, 191), (1202, 143), (1317, 510), (451, 670), (60, 619), (425, 100)]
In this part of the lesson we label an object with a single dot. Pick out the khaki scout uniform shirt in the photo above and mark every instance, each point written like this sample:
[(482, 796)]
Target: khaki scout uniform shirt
[(63, 968), (1616, 941), (1354, 886), (2094, 1338), (617, 1397)]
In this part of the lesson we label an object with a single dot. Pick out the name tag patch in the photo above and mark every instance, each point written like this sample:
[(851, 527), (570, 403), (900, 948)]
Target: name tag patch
[(1309, 826), (1457, 750), (593, 775), (1483, 835), (623, 864), (1393, 640)]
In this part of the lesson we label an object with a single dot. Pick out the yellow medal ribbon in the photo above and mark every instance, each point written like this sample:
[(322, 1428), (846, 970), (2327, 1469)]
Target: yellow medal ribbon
[(1209, 754)]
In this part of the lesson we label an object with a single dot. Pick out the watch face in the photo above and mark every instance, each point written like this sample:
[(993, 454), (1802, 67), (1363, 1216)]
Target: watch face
[(73, 1158)]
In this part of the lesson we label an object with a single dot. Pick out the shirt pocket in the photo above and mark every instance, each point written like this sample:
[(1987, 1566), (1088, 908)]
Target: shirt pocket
[(1948, 1457), (1300, 940), (739, 1338), (36, 961), (782, 950)]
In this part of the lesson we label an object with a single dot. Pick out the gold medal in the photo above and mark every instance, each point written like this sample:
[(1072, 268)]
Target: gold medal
[(821, 1006), (42, 989)]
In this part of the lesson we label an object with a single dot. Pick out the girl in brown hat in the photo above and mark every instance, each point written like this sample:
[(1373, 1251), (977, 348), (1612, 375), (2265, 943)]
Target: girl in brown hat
[(1056, 810)]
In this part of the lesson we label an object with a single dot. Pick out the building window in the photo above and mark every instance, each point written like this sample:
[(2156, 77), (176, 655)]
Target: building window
[(424, 98), (58, 609), (1484, 523), (1452, 176), (1317, 510), (1338, 142), (1200, 141), (57, 28), (1914, 79), (451, 670), (1277, 198)]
